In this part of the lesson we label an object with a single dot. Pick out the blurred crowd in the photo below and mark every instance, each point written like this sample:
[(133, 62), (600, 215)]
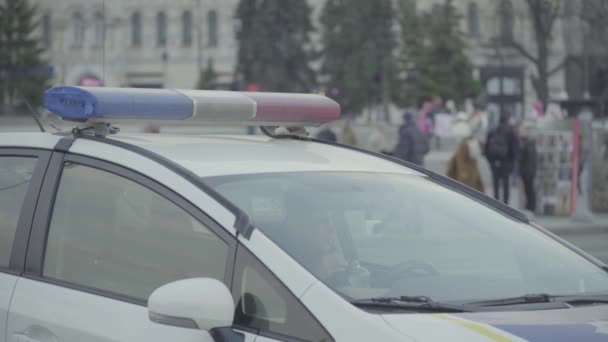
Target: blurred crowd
[(496, 151)]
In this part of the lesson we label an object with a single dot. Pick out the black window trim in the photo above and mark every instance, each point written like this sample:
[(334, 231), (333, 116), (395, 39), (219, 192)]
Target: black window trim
[(235, 291), (34, 262), (26, 215)]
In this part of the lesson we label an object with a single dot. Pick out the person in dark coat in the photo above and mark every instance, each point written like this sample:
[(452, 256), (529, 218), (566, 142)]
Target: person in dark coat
[(501, 150), (527, 169), (413, 145), (327, 134)]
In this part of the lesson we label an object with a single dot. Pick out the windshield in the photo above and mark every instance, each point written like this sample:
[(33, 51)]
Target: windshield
[(368, 235)]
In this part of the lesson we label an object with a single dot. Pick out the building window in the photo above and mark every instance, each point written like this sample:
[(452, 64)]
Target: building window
[(510, 86), (506, 20), (161, 29), (99, 29), (136, 29), (435, 14), (46, 30), (473, 19), (78, 29), (569, 9), (212, 21), (187, 28)]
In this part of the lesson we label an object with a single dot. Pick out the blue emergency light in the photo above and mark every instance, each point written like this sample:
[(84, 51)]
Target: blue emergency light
[(110, 104), (85, 103)]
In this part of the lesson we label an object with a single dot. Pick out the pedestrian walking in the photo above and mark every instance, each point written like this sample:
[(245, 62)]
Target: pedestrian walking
[(327, 134), (527, 168), (413, 144), (425, 123), (464, 164), (377, 140), (479, 123), (152, 128), (348, 136), (501, 149), (437, 108)]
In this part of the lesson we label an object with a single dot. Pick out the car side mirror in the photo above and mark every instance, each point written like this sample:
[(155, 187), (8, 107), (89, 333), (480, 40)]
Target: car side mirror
[(197, 303)]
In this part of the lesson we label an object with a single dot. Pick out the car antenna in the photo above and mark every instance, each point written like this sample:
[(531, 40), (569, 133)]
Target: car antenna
[(34, 114)]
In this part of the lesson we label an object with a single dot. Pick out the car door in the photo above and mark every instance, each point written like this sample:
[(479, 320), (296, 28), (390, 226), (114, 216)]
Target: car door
[(21, 173), (111, 237)]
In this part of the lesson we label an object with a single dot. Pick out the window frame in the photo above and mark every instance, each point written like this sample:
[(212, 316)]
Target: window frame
[(473, 19), (78, 30), (507, 20), (47, 30), (213, 28), (187, 28), (252, 261), (99, 28), (135, 28), (42, 220), (162, 21), (26, 215)]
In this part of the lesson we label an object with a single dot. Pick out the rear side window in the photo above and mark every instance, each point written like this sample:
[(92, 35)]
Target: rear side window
[(110, 233), (15, 176)]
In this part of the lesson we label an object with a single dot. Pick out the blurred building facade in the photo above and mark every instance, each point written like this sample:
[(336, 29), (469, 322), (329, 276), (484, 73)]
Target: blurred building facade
[(139, 43), (160, 43), (503, 71)]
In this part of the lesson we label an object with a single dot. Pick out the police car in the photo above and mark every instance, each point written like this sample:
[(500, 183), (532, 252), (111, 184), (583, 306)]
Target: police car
[(126, 237)]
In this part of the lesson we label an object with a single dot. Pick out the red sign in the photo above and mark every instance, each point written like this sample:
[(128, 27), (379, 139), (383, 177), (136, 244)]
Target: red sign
[(576, 135), (90, 81)]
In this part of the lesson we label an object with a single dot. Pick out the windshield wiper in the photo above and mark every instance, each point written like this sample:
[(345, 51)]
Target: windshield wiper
[(416, 303), (542, 298)]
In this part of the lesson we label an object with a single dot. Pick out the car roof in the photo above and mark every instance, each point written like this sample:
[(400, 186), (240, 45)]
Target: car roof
[(217, 155), (35, 140)]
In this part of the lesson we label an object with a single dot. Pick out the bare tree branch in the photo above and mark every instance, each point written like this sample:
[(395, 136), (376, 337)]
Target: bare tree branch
[(557, 68), (535, 83), (522, 50)]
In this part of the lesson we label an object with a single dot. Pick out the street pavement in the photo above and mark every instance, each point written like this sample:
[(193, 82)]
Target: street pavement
[(591, 237)]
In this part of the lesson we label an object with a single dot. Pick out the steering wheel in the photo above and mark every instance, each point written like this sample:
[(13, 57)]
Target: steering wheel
[(412, 268)]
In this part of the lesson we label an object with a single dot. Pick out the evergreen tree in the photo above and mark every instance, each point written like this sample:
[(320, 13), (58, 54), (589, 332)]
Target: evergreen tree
[(275, 49), (432, 57), (358, 43), (413, 37), (208, 77), (23, 72)]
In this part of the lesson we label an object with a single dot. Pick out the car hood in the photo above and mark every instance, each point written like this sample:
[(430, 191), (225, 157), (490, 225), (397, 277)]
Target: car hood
[(585, 324)]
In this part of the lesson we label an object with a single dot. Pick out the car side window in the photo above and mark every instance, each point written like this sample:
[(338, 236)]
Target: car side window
[(110, 233), (265, 305), (15, 176)]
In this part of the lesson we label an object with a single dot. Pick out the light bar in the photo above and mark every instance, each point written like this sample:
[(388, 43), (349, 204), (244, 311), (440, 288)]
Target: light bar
[(222, 107)]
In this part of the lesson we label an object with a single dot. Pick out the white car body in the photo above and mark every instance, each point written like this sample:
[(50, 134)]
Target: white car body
[(34, 309)]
